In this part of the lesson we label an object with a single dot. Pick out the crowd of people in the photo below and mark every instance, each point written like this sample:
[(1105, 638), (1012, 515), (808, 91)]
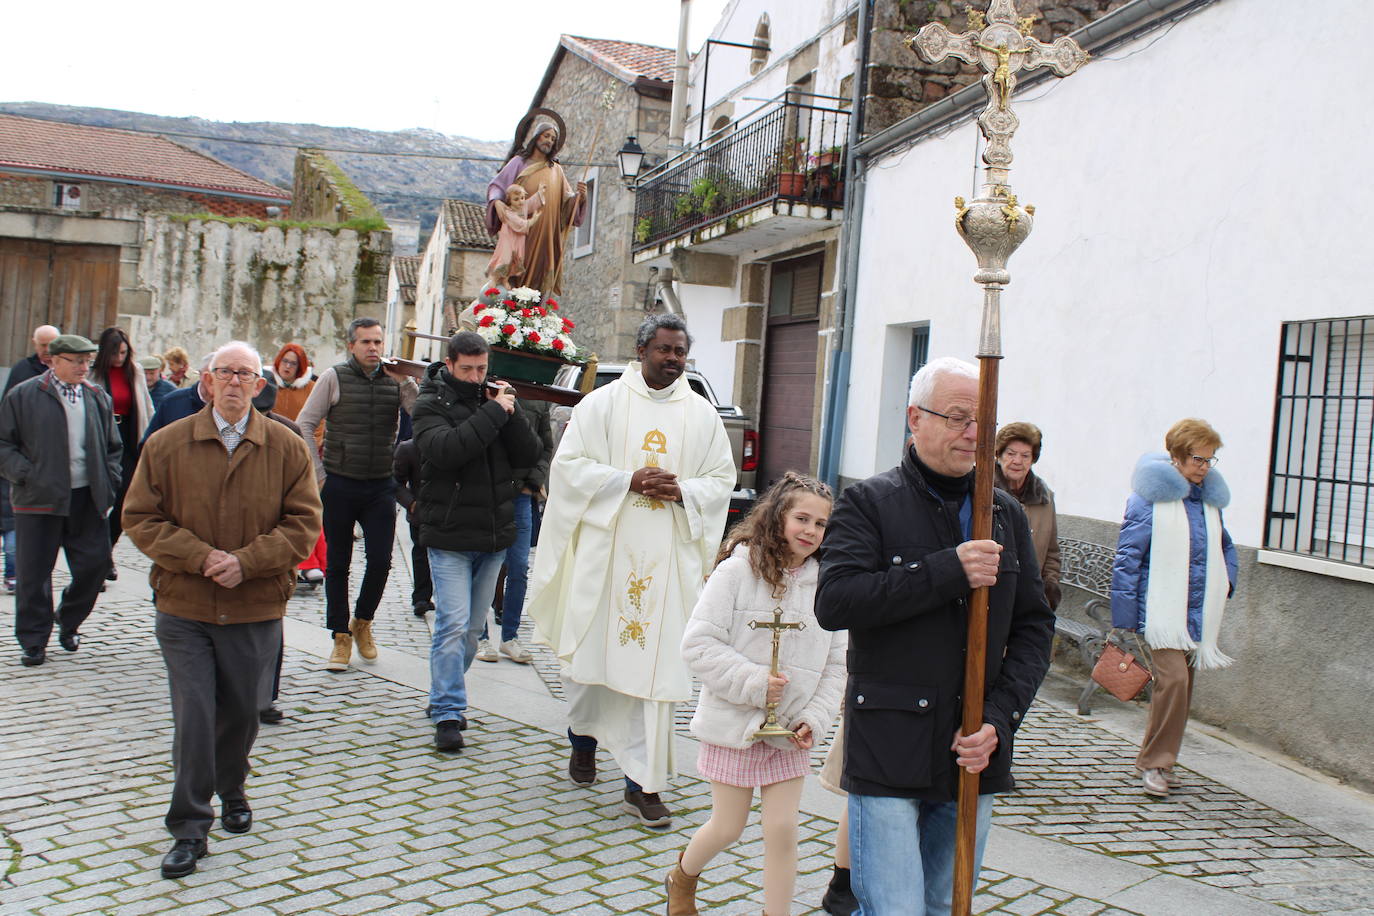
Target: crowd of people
[(244, 481)]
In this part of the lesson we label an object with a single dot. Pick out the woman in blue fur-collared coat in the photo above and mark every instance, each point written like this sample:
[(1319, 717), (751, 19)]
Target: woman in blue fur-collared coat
[(1175, 567)]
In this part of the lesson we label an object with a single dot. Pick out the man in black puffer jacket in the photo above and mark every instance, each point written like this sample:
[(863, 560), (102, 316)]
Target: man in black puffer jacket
[(898, 567), (469, 436)]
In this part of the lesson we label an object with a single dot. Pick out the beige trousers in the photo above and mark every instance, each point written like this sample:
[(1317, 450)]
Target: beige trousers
[(1173, 693)]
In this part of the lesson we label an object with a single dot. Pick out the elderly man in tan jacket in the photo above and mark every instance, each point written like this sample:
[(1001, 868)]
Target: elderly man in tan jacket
[(225, 504)]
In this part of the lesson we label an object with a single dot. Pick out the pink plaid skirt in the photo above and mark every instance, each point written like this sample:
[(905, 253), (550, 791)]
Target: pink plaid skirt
[(759, 764)]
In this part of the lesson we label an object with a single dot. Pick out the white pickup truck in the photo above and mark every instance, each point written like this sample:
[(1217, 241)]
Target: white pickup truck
[(744, 437)]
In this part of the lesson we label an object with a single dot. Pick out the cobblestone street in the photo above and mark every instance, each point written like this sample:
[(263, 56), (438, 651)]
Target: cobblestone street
[(355, 812)]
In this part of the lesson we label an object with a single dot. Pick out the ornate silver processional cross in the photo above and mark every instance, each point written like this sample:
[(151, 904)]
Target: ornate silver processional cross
[(992, 225)]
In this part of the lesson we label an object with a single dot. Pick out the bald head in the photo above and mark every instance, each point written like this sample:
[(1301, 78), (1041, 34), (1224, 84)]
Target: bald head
[(43, 335)]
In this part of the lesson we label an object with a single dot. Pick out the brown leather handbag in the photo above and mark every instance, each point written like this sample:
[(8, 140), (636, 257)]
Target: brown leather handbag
[(1120, 673)]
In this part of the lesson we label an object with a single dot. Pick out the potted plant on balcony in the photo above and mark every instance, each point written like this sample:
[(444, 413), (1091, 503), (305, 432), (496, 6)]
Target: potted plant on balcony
[(828, 157), (792, 180), (529, 338)]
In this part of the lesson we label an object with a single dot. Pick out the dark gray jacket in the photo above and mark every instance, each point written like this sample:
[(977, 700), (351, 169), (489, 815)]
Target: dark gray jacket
[(891, 576), (33, 448), (468, 447), (536, 413)]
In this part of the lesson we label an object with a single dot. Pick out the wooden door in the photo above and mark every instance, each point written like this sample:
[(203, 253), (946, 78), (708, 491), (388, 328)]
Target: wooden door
[(789, 374), (73, 287)]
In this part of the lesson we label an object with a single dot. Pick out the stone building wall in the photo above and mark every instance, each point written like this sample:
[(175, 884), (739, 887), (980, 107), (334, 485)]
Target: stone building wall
[(900, 83), (604, 291), (130, 200), (212, 281), (321, 192)]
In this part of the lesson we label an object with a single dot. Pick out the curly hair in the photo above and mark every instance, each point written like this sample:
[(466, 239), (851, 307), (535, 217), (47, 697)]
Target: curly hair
[(762, 529)]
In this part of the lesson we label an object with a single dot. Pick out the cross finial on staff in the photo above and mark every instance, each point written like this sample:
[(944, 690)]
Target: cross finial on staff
[(1001, 44)]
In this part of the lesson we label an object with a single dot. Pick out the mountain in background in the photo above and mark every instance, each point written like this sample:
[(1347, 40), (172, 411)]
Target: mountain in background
[(404, 186)]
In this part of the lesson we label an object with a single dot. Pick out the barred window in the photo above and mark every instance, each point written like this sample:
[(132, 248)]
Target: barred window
[(1320, 480)]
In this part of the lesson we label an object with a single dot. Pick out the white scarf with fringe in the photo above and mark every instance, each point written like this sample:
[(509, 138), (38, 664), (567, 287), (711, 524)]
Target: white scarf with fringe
[(1166, 596)]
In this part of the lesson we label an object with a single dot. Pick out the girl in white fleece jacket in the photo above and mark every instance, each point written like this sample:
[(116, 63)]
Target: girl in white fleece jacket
[(767, 562)]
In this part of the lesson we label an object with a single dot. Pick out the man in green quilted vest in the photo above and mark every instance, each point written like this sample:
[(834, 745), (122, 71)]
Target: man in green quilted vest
[(360, 402)]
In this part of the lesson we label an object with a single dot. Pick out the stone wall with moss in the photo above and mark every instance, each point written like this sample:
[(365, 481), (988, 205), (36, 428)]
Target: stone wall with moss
[(322, 192), (213, 280), (900, 83)]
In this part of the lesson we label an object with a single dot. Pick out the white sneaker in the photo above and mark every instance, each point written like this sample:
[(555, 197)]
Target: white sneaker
[(313, 575), (485, 653), (512, 649), (1153, 782)]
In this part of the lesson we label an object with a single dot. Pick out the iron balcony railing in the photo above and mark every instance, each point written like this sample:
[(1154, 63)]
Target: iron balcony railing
[(790, 150)]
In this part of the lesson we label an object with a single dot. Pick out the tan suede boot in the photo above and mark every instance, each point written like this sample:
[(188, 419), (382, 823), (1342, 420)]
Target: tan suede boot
[(682, 891), (362, 635), (343, 651)]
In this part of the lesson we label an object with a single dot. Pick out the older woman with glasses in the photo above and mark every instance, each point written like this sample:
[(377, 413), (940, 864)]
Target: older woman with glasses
[(1175, 567), (1016, 449)]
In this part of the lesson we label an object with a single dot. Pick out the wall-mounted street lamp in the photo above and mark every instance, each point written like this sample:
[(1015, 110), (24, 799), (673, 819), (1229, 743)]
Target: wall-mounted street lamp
[(631, 158)]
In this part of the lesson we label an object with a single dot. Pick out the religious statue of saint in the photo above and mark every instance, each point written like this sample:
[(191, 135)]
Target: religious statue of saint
[(535, 168)]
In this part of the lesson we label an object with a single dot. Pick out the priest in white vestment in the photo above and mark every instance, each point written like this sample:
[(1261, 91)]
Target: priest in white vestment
[(638, 493)]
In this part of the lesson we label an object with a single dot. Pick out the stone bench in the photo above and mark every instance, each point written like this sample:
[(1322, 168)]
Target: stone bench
[(1088, 567)]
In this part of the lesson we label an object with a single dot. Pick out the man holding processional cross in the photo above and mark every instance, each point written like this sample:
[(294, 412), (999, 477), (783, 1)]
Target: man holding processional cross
[(949, 640)]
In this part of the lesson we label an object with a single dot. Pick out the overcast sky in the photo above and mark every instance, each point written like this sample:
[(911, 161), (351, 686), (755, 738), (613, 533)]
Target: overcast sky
[(465, 67)]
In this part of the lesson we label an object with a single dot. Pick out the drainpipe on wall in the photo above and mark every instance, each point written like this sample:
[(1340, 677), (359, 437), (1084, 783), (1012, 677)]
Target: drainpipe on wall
[(837, 385), (677, 120), (663, 288)]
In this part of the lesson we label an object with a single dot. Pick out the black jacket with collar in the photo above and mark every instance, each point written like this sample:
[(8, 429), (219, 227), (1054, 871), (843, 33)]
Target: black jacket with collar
[(467, 447), (890, 575), (33, 448)]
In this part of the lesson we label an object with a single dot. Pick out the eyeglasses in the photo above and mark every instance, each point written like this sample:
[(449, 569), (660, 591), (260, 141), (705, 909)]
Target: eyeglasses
[(959, 421), (75, 360), (243, 375), (1210, 462)]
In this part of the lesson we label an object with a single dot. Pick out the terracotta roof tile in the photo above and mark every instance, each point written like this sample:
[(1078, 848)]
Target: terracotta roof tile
[(102, 152), (467, 224), (631, 59), (407, 267)]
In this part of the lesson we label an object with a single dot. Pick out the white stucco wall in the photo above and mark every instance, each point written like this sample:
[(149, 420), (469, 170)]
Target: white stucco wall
[(702, 307), (1194, 190), (793, 25)]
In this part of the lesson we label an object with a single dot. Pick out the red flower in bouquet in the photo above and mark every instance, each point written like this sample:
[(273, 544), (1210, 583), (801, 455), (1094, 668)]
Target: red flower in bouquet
[(509, 304), (478, 307), (551, 303), (487, 321), (491, 291), (557, 344), (533, 337), (568, 325), (508, 328)]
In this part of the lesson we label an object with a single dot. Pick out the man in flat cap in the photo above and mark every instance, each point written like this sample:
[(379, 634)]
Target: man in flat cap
[(60, 451)]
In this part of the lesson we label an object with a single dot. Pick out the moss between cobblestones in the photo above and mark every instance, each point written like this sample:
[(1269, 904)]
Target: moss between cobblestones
[(16, 853)]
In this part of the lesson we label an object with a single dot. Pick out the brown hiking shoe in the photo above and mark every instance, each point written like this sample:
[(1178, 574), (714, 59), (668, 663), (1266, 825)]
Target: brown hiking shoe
[(362, 634), (582, 767), (647, 808), (343, 651)]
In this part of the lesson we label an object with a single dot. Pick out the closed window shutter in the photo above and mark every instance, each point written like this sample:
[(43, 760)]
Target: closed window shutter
[(1341, 522), (806, 288)]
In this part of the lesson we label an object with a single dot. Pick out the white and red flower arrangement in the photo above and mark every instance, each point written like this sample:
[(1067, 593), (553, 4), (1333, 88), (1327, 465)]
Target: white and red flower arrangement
[(522, 319)]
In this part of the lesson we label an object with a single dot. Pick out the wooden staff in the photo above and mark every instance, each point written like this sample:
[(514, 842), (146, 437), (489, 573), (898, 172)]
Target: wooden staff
[(975, 658)]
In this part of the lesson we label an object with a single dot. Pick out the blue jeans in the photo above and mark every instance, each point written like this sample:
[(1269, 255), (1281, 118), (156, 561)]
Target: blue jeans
[(9, 555), (517, 571), (888, 836), (464, 583)]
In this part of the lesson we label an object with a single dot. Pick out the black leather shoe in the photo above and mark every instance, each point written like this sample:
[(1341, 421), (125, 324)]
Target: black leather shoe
[(270, 716), (70, 641), (181, 860), (237, 817), (112, 576), (422, 608), (34, 657), (448, 736)]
